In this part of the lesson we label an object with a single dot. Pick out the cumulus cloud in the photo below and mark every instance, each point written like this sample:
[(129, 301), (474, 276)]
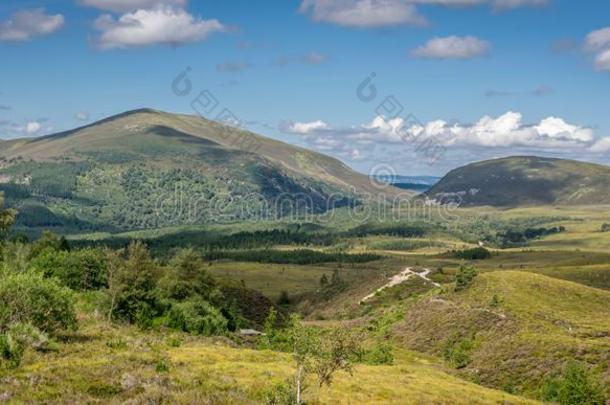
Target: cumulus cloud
[(305, 128), (24, 25), (362, 13), (452, 47), (601, 146), (124, 6), (504, 132), (598, 43), (163, 25), (32, 127), (384, 13)]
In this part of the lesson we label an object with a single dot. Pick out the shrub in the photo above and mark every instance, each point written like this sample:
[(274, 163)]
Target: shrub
[(457, 350), (80, 270), (133, 286), (283, 393), (380, 353), (464, 277), (197, 316), (30, 298), (575, 387), (478, 253), (187, 277), (17, 339)]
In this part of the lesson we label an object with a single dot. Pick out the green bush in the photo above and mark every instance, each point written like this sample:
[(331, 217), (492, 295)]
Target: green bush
[(17, 339), (380, 353), (132, 286), (576, 386), (457, 350), (80, 270), (30, 298), (197, 316), (464, 277), (186, 277), (283, 393)]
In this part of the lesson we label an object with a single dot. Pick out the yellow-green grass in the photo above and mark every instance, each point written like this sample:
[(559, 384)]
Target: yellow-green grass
[(524, 327), (104, 364), (272, 279)]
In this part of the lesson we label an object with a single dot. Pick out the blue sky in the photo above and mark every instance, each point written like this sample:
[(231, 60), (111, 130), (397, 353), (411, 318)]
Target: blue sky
[(476, 79)]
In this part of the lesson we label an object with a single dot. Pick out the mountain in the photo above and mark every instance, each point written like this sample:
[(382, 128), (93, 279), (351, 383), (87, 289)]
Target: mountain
[(525, 180), (146, 168)]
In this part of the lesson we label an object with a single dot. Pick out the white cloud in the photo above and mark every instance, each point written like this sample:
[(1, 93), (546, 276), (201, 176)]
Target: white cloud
[(82, 116), (384, 13), (602, 60), (362, 13), (24, 25), (163, 25), (601, 146), (304, 128), (32, 127), (505, 131), (508, 130), (453, 47), (599, 39), (123, 6), (598, 42), (510, 4)]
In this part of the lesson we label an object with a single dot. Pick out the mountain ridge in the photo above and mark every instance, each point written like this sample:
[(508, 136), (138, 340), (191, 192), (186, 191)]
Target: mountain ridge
[(151, 152), (525, 180)]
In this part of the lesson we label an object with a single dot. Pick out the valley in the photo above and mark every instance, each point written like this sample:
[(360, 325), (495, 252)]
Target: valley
[(442, 303)]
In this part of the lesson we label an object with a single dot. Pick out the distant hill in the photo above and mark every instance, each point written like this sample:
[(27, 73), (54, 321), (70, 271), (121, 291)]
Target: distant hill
[(146, 168), (525, 180)]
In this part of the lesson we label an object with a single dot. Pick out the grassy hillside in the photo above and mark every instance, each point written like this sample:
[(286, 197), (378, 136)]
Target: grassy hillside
[(148, 169), (105, 364), (514, 329), (528, 180)]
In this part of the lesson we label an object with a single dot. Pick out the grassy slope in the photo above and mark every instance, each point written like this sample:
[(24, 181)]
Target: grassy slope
[(538, 323), (211, 371), (117, 134), (517, 181)]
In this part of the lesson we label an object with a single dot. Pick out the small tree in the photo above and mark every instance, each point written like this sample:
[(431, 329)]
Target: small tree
[(114, 266), (321, 353), (577, 387), (136, 299), (464, 277)]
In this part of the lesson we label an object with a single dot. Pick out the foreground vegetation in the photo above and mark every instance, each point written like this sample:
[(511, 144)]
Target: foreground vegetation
[(119, 319)]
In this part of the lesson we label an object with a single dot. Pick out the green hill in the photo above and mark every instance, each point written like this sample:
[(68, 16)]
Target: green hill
[(513, 330), (145, 169), (525, 180)]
